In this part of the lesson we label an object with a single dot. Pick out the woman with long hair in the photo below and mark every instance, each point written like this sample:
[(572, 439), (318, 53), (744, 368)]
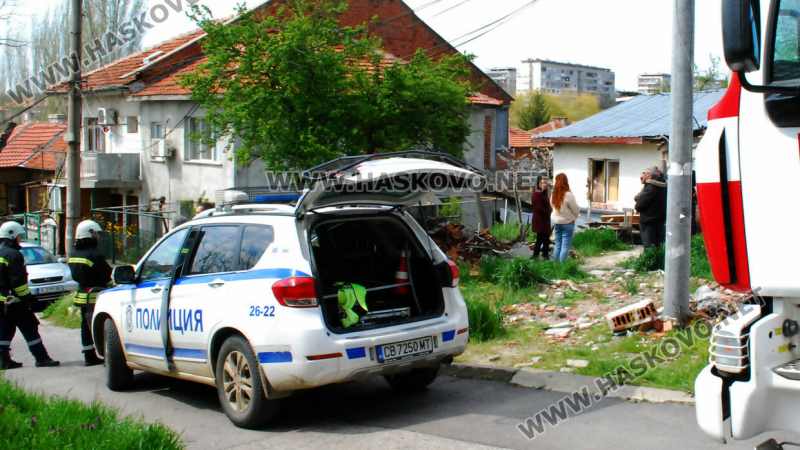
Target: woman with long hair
[(565, 212), (541, 218)]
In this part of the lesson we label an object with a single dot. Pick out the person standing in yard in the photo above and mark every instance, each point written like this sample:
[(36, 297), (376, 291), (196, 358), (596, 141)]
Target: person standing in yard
[(89, 268), (541, 218), (16, 300), (651, 203), (565, 212)]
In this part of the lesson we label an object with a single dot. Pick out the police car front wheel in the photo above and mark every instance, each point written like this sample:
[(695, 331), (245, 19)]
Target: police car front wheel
[(239, 385)]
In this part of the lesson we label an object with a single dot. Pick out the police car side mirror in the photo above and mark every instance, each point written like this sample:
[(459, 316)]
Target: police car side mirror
[(124, 275)]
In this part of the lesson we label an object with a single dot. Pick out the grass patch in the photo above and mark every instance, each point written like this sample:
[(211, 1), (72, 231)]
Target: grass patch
[(520, 273), (700, 267), (58, 312), (632, 286), (594, 242), (30, 421), (654, 259), (506, 231), (485, 321)]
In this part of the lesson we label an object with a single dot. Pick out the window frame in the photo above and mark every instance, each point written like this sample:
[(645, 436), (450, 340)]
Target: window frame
[(186, 239), (194, 150), (241, 243), (196, 244), (771, 40)]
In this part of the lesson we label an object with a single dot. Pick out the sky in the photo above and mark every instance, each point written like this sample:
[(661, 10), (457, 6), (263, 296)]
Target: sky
[(629, 37)]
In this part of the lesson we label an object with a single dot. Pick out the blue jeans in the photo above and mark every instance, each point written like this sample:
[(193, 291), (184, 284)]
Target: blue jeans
[(563, 241)]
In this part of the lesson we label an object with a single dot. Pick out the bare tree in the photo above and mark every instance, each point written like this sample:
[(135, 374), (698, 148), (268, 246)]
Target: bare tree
[(7, 14)]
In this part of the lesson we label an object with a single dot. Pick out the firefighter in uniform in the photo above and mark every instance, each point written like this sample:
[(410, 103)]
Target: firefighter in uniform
[(16, 299), (90, 269)]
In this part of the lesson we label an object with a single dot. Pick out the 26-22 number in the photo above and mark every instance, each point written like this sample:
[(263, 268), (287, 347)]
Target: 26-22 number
[(259, 311)]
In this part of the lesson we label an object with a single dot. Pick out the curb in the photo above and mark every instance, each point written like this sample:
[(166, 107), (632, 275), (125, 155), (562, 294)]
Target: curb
[(562, 382)]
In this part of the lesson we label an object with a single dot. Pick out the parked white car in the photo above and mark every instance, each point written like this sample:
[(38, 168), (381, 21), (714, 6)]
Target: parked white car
[(255, 299), (48, 278)]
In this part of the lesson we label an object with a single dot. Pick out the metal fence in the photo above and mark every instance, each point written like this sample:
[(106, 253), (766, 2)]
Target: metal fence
[(42, 228), (129, 234)]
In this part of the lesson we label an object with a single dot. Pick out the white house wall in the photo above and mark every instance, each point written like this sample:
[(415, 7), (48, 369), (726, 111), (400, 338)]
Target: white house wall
[(573, 160)]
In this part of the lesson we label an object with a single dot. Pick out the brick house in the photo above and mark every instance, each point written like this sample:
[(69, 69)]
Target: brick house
[(136, 116)]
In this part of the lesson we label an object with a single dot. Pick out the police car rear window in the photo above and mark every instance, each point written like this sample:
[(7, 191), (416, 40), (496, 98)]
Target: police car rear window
[(255, 241)]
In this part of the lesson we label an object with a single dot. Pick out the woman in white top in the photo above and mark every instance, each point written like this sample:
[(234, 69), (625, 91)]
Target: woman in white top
[(565, 212)]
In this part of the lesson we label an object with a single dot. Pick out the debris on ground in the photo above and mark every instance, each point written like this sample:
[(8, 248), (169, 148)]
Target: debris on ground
[(461, 243), (713, 302), (631, 315), (578, 363)]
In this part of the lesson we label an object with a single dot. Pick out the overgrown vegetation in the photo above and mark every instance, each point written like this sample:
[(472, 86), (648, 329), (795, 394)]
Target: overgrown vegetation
[(30, 421), (521, 273), (59, 312), (654, 259), (452, 210), (485, 320), (594, 242), (506, 231)]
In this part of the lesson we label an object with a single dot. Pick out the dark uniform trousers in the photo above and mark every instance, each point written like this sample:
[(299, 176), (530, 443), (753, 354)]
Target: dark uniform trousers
[(90, 269), (14, 283)]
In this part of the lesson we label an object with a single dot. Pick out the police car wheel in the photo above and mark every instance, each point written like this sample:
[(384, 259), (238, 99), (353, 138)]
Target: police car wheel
[(414, 380), (239, 385), (118, 376)]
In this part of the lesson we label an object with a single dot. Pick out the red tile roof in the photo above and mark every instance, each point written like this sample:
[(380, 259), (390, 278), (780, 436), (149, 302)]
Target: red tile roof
[(110, 74), (519, 137), (556, 123), (26, 141), (483, 99)]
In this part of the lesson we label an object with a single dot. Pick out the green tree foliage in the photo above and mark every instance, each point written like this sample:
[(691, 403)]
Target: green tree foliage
[(582, 106), (563, 105), (705, 79), (531, 110), (296, 89)]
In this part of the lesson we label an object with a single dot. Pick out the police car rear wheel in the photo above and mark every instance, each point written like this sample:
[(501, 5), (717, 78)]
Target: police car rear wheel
[(118, 376), (414, 380), (239, 385)]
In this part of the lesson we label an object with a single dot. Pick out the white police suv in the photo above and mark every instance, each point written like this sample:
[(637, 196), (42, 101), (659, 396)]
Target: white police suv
[(263, 299)]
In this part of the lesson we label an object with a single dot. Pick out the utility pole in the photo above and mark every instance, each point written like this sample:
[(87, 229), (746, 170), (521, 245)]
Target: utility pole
[(679, 170), (73, 135)]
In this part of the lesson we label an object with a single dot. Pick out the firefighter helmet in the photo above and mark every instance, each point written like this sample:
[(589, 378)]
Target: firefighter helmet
[(10, 230), (87, 229)]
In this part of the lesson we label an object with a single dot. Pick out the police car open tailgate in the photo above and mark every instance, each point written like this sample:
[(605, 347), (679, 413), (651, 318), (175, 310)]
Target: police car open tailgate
[(399, 182)]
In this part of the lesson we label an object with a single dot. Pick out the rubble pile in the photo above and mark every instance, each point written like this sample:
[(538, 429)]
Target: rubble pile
[(461, 243), (712, 302)]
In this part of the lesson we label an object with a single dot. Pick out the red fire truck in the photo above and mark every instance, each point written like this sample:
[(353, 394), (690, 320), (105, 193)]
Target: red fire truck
[(748, 186)]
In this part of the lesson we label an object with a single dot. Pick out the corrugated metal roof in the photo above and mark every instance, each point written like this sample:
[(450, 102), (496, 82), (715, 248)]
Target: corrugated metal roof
[(642, 116)]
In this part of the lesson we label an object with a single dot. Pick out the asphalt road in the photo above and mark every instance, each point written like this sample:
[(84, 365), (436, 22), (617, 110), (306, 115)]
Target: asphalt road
[(452, 413)]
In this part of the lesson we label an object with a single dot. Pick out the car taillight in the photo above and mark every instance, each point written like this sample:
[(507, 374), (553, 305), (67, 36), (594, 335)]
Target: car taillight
[(454, 272), (296, 292)]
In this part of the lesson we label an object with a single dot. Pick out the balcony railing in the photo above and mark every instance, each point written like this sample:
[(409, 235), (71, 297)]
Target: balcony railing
[(88, 164)]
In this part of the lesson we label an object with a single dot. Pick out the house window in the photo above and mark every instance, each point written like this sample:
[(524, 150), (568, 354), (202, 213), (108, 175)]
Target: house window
[(156, 130), (197, 150), (604, 180), (95, 137), (133, 124)]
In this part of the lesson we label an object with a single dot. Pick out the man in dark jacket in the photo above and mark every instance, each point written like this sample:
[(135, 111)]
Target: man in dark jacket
[(651, 203), (15, 301), (90, 269)]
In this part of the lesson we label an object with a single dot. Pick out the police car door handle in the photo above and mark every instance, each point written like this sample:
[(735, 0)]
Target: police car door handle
[(155, 289), (216, 283)]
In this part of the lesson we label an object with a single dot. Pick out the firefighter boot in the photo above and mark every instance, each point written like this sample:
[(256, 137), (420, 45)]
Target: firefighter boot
[(7, 363), (91, 358), (42, 358)]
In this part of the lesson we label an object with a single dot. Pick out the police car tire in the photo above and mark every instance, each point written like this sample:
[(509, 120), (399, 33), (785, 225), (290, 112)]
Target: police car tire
[(414, 380), (261, 410), (118, 375)]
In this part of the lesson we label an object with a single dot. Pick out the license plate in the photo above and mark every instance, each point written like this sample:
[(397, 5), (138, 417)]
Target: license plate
[(46, 289), (405, 349)]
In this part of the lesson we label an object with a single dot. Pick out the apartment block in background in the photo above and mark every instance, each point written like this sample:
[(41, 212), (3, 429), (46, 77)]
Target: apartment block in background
[(651, 83), (506, 77), (563, 78)]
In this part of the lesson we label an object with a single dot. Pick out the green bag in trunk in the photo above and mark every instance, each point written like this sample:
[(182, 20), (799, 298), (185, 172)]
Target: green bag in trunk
[(349, 295)]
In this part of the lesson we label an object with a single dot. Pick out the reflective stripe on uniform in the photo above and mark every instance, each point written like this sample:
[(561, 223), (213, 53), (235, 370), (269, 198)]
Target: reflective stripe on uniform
[(3, 261), (80, 261), (2, 299), (5, 343), (86, 348), (81, 298), (22, 290), (34, 342)]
